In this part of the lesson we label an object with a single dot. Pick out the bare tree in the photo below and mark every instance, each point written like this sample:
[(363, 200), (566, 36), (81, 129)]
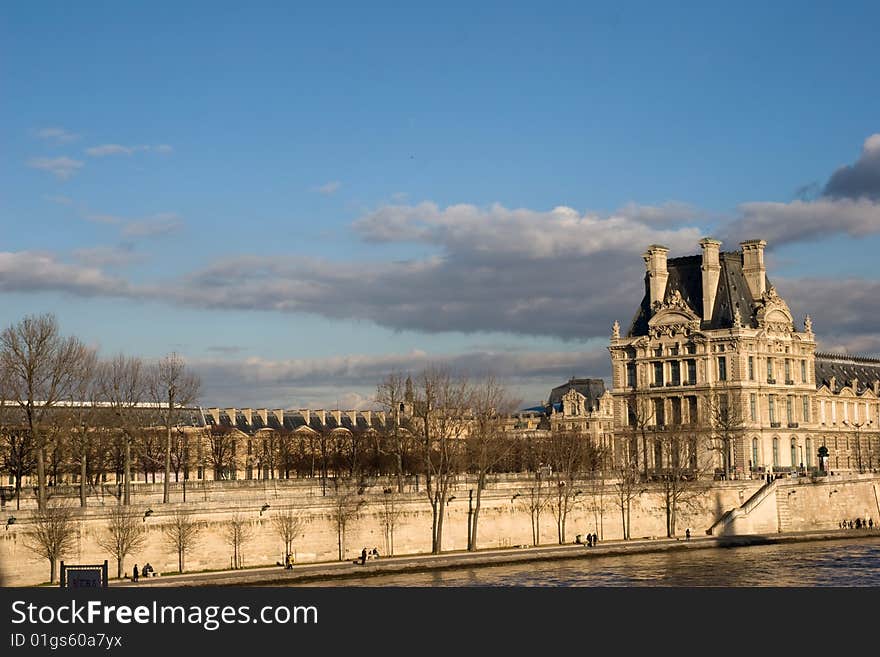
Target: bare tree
[(239, 531), (680, 474), (41, 368), (122, 384), (182, 535), (568, 453), (288, 524), (125, 534), (628, 486), (641, 420), (392, 395), (442, 403), (17, 456), (488, 444), (81, 420), (727, 422), (391, 512), (534, 500), (346, 505), (222, 448), (53, 535), (597, 488), (172, 387)]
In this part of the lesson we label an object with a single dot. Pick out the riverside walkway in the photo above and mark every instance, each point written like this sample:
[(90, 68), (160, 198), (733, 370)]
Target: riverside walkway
[(316, 572)]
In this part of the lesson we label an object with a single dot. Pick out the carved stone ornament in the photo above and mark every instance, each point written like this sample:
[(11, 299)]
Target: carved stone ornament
[(773, 313), (737, 318), (808, 324), (615, 330), (672, 317)]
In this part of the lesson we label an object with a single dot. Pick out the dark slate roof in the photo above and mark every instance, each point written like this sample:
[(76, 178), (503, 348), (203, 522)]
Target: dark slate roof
[(686, 277), (592, 389), (293, 420), (844, 369)]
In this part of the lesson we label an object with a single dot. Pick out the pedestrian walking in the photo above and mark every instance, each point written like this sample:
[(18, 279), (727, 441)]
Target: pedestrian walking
[(364, 556), (134, 573), (687, 534)]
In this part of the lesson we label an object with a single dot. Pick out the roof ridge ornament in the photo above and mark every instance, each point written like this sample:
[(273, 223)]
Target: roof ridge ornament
[(673, 301)]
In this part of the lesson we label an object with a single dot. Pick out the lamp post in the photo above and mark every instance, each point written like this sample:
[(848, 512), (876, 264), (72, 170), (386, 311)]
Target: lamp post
[(857, 426)]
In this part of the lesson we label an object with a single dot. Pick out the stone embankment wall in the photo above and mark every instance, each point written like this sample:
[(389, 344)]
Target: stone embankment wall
[(504, 520), (804, 505)]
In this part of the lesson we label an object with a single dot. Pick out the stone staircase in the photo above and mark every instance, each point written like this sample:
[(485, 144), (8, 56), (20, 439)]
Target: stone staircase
[(720, 526)]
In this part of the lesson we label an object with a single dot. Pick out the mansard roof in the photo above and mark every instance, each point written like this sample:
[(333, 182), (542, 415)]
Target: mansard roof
[(686, 278), (844, 368), (592, 389)]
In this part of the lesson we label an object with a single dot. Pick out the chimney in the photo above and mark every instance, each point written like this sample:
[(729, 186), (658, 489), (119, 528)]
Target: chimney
[(754, 270), (854, 384), (711, 268), (307, 416), (655, 262), (264, 416)]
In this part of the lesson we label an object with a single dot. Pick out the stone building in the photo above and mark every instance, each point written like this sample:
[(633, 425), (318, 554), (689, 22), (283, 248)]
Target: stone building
[(585, 406), (714, 355)]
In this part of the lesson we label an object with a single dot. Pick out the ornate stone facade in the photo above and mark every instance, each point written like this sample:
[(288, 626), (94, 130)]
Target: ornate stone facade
[(713, 354)]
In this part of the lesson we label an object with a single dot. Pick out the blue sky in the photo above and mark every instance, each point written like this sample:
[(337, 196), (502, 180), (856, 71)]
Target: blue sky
[(299, 198)]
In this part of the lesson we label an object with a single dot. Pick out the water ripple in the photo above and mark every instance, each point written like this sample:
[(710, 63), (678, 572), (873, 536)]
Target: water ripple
[(830, 563)]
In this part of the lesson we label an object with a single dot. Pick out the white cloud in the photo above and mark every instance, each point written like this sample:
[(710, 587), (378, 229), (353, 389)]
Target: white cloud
[(521, 272), (109, 149), (108, 256), (105, 150), (58, 135), (163, 223), (30, 271), (329, 188), (491, 232), (62, 167), (801, 221)]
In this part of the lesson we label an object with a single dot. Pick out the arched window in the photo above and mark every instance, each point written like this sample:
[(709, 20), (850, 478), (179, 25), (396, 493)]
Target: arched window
[(775, 452), (794, 455), (809, 450), (754, 452)]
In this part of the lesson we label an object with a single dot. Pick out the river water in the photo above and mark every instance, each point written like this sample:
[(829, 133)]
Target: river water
[(821, 563)]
